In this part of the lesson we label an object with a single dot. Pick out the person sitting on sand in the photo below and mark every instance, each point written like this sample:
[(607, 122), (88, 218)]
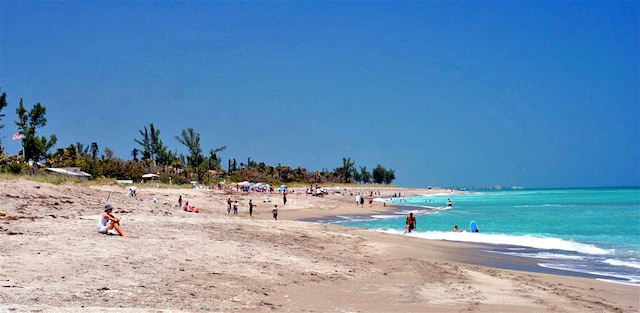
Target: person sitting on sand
[(411, 223), (109, 224)]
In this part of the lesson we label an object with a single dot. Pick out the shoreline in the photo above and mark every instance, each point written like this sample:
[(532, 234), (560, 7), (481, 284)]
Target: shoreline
[(175, 261), (489, 254)]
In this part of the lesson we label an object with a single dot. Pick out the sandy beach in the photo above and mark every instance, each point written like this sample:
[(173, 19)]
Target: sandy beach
[(53, 259)]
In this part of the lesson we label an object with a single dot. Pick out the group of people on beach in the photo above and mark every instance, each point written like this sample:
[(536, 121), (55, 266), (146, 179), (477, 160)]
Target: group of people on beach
[(458, 230), (360, 199), (234, 206), (411, 224), (109, 224)]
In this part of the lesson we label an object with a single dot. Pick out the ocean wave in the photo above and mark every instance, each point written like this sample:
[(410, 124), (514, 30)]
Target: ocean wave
[(386, 216), (631, 282), (352, 218), (544, 205), (627, 263), (544, 255), (538, 242), (615, 277)]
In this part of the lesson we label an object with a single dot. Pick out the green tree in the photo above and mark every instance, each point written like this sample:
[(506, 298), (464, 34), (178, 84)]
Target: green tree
[(108, 154), (365, 176), (378, 174), (134, 154), (389, 176), (35, 148), (214, 160), (3, 104), (152, 147), (94, 150), (191, 139), (383, 175), (345, 172)]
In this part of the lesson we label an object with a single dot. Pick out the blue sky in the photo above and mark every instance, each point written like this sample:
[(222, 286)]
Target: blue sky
[(478, 93)]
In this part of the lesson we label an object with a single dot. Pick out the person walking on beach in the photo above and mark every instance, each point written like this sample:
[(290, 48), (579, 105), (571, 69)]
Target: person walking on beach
[(362, 201), (371, 199), (284, 197), (275, 212), (411, 223), (180, 201), (229, 206), (235, 208), (251, 205)]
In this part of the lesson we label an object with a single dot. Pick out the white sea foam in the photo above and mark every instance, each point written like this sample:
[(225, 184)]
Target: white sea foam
[(352, 218), (390, 231), (538, 242), (621, 279), (627, 263), (384, 216), (545, 255), (632, 282)]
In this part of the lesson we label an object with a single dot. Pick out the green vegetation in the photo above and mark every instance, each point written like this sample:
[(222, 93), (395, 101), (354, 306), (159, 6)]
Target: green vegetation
[(34, 148), (155, 157), (3, 104)]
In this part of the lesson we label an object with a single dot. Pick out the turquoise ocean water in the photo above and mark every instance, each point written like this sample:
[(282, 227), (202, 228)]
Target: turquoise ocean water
[(594, 231)]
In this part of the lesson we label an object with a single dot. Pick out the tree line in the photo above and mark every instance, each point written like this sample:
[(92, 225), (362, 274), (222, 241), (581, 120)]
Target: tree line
[(151, 155)]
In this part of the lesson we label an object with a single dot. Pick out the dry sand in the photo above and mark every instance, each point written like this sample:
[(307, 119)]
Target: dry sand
[(53, 260)]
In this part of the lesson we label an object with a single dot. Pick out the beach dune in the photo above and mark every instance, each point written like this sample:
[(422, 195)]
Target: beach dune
[(53, 259)]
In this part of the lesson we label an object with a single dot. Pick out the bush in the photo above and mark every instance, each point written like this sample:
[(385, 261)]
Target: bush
[(16, 168)]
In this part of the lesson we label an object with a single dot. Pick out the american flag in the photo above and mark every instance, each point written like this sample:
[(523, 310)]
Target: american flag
[(17, 136)]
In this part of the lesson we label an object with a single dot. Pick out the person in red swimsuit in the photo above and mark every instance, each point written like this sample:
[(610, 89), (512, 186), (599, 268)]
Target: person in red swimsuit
[(411, 223)]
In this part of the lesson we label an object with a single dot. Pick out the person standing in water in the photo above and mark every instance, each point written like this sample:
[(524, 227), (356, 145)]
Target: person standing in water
[(411, 223)]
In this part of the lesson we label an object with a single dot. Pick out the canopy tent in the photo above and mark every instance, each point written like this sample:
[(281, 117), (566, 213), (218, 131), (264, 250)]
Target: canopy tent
[(150, 177)]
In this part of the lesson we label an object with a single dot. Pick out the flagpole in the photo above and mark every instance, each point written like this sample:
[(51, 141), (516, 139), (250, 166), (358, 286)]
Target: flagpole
[(20, 136)]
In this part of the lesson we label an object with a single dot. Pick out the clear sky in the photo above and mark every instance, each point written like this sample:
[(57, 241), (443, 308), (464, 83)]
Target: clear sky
[(446, 93)]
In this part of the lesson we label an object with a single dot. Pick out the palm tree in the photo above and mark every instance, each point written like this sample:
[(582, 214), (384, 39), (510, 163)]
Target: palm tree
[(346, 171), (214, 161), (191, 139)]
